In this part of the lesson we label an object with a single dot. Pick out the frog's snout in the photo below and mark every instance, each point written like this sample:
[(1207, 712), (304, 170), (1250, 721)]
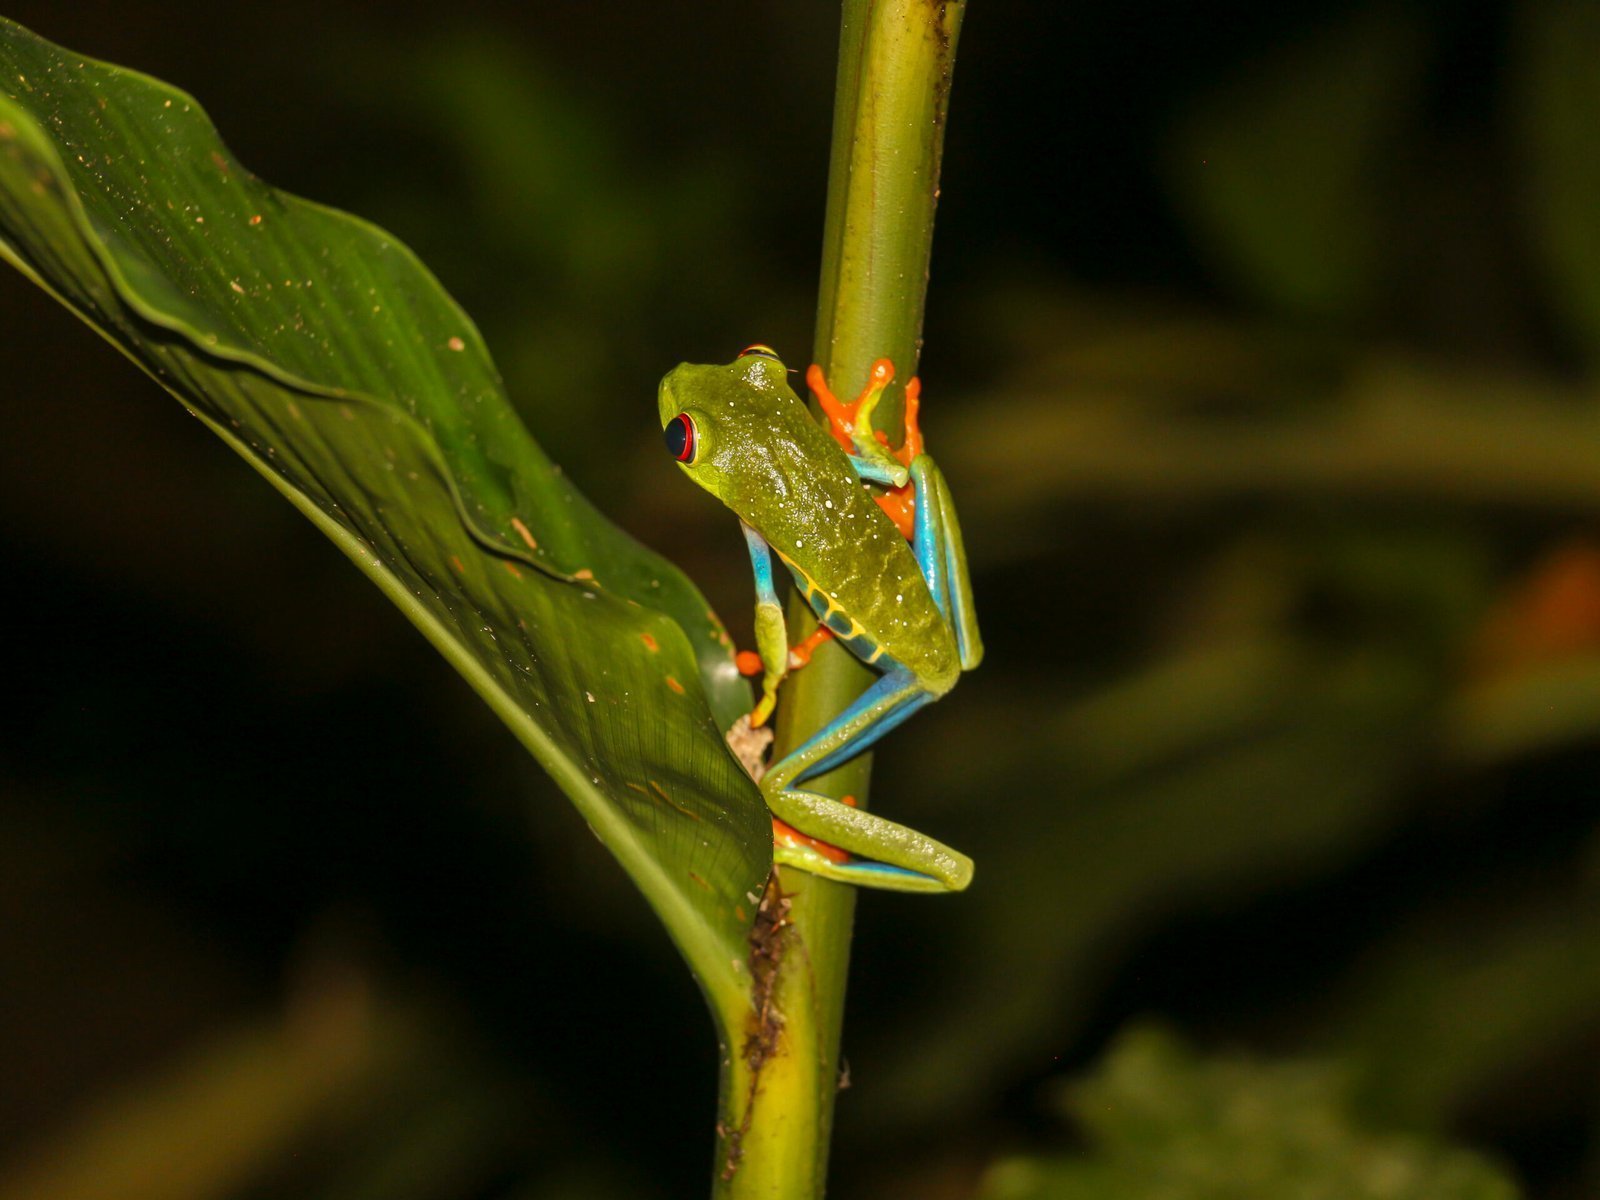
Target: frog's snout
[(667, 406)]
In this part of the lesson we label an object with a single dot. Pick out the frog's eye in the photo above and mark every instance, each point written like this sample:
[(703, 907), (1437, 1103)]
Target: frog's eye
[(759, 349), (680, 438)]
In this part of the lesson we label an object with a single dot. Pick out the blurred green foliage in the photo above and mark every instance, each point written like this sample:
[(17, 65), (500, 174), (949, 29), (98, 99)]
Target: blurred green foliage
[(1278, 472), (1555, 100), (1164, 1124), (1277, 169)]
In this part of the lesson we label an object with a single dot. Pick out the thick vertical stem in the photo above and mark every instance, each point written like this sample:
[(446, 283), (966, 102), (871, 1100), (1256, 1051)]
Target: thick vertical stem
[(895, 62)]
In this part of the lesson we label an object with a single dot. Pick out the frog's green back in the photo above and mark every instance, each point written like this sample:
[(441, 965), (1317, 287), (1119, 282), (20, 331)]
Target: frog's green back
[(763, 454)]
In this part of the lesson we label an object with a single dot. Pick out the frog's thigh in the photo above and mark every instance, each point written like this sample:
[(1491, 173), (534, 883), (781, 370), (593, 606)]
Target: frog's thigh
[(901, 859)]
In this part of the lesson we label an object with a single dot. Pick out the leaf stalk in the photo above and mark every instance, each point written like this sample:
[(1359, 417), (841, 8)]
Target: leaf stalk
[(780, 1081)]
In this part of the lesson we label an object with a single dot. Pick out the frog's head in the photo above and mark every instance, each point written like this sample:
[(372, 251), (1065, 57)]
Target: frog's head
[(720, 422)]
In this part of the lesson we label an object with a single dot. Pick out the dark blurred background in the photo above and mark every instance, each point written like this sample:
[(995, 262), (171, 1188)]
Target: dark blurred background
[(1261, 351)]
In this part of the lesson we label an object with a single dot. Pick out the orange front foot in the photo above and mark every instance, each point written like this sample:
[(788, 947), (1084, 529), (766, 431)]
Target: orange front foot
[(899, 503), (800, 653), (749, 662)]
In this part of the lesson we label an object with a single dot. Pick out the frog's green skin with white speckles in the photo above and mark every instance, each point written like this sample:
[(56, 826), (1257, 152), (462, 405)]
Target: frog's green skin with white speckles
[(903, 608)]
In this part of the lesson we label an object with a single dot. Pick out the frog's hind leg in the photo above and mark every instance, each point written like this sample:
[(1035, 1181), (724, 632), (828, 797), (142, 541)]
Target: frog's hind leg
[(943, 559), (901, 858), (859, 872)]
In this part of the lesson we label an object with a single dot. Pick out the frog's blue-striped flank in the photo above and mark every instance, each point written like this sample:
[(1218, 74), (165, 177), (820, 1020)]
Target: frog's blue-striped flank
[(903, 607)]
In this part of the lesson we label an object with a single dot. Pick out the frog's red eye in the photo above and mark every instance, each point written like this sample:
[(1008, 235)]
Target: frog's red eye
[(680, 438), (759, 349)]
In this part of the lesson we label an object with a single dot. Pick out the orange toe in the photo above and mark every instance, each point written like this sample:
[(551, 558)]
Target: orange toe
[(787, 835)]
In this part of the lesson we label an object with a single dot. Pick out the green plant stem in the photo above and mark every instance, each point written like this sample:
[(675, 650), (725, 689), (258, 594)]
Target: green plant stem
[(895, 62)]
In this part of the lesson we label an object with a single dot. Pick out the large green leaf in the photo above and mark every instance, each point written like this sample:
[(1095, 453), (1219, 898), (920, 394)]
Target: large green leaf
[(321, 350)]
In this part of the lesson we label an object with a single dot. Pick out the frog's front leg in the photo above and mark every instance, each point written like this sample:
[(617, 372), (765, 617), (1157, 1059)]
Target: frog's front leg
[(772, 635), (852, 424), (774, 657), (874, 462), (898, 858)]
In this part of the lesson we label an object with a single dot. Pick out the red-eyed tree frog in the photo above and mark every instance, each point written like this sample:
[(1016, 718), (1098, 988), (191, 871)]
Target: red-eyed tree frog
[(896, 595)]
